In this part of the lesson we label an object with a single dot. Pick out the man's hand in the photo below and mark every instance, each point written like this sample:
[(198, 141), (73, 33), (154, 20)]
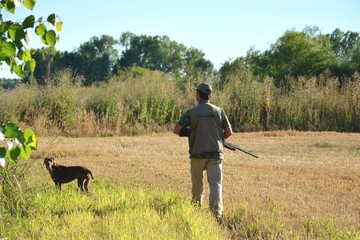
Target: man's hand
[(227, 132), (177, 129), (184, 132)]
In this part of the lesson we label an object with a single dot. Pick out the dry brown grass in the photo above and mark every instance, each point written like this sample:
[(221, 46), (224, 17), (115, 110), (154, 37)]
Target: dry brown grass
[(299, 175)]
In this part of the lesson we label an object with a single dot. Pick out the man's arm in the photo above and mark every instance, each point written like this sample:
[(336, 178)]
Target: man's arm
[(177, 129), (227, 132)]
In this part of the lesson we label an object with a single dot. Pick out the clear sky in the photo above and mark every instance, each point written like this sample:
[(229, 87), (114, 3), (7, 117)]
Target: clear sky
[(222, 29)]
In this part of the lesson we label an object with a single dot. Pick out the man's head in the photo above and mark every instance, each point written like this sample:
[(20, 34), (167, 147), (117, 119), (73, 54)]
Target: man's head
[(204, 90)]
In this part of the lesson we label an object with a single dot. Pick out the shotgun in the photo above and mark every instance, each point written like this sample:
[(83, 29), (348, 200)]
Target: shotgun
[(185, 132)]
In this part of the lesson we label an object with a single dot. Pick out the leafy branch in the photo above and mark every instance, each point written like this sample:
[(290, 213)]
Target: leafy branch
[(14, 37), (19, 143)]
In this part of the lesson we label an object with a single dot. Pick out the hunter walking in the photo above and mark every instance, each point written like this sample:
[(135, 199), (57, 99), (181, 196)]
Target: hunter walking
[(209, 127)]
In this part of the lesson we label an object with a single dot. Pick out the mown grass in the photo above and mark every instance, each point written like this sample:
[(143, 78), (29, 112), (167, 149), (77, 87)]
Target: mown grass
[(304, 185), (109, 212)]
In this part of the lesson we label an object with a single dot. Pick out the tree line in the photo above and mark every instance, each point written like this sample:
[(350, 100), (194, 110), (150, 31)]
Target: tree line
[(307, 53), (99, 59), (305, 81)]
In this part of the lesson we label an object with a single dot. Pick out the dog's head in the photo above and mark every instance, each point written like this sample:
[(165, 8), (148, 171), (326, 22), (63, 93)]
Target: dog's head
[(49, 163)]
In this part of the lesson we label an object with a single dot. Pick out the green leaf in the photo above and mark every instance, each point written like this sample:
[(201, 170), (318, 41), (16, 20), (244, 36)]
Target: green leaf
[(26, 56), (13, 154), (30, 138), (50, 38), (29, 4), (2, 152), (10, 7), (16, 32), (8, 49), (40, 29), (18, 70), (52, 18), (25, 151), (30, 66), (12, 31), (4, 26), (43, 39), (29, 22), (11, 130), (19, 55)]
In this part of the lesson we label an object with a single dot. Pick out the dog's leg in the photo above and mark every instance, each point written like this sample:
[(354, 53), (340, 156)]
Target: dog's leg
[(57, 184), (86, 184), (80, 183)]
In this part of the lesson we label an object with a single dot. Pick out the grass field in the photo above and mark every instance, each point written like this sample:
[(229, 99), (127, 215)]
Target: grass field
[(303, 185)]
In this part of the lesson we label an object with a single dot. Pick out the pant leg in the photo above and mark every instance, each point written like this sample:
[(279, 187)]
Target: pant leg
[(197, 167), (214, 177)]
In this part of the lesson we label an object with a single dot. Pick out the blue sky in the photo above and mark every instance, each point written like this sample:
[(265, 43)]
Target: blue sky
[(223, 30)]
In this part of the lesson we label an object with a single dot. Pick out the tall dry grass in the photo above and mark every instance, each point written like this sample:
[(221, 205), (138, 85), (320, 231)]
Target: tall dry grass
[(143, 101)]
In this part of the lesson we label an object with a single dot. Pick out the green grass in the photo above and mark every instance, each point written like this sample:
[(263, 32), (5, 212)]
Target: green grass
[(109, 212)]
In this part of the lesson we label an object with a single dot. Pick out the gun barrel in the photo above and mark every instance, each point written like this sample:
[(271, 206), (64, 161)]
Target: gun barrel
[(234, 147)]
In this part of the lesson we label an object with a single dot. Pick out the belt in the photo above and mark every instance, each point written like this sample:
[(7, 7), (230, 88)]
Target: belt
[(216, 155)]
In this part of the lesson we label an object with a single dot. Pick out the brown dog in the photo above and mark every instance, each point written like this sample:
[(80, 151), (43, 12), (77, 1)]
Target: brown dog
[(63, 174)]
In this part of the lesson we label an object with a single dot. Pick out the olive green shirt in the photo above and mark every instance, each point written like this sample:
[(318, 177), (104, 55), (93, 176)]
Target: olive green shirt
[(207, 123)]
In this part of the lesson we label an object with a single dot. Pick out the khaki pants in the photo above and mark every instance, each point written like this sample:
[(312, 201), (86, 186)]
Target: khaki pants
[(213, 169)]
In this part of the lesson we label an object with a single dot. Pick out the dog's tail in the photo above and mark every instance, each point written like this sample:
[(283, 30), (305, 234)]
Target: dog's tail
[(89, 172)]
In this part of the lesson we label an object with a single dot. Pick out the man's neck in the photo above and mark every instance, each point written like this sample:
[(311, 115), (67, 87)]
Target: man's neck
[(203, 101)]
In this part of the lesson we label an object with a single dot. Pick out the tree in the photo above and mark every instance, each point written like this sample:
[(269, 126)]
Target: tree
[(297, 54), (253, 62), (161, 54), (14, 37), (44, 58), (97, 58), (152, 52), (346, 46), (196, 66)]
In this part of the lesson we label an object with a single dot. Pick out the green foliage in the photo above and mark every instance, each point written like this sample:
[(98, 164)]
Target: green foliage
[(18, 144), (9, 83), (308, 53), (301, 54), (98, 57), (44, 58), (298, 54), (14, 37), (161, 54)]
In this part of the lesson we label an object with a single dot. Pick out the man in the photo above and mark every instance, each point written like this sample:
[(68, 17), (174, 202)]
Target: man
[(209, 127)]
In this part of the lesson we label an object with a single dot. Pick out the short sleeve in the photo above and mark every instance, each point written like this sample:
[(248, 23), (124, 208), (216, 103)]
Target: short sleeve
[(225, 120), (185, 119)]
